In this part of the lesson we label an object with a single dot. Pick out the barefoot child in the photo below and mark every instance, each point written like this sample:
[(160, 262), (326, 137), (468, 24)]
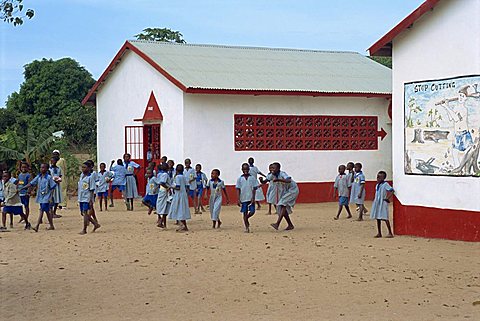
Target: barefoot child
[(288, 193), (119, 172), (272, 195), (200, 182), (164, 195), (57, 174), (246, 187), (357, 194), (23, 179), (86, 192), (189, 174), (341, 186), (151, 190), (45, 186), (216, 186), (254, 171), (179, 209), (130, 182), (383, 194), (13, 204), (104, 179)]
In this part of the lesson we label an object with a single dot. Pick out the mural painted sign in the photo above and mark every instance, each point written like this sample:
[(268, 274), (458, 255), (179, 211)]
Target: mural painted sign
[(442, 127)]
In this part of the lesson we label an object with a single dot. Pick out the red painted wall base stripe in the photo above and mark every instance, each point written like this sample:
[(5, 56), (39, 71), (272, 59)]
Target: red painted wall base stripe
[(436, 222)]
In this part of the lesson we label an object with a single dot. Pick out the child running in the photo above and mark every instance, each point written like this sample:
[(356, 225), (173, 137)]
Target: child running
[(86, 192), (179, 209), (254, 171), (200, 182), (357, 194), (246, 187), (288, 193), (104, 179), (45, 186), (23, 179), (216, 186), (151, 190), (57, 174), (383, 194), (164, 197), (119, 179), (341, 186), (13, 204), (130, 182)]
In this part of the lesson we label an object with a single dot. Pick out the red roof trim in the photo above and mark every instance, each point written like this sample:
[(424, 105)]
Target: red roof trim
[(128, 46), (152, 110), (283, 93), (404, 24)]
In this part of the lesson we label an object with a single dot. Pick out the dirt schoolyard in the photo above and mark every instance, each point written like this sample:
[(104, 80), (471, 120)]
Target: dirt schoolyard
[(323, 270)]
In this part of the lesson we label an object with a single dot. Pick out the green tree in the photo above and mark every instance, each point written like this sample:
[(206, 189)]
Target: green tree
[(12, 11), (49, 100), (386, 61), (160, 34)]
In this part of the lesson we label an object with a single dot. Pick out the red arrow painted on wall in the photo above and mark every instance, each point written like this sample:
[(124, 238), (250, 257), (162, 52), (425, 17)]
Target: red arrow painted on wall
[(381, 133)]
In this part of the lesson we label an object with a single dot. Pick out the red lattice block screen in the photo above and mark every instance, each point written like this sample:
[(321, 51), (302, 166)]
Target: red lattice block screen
[(282, 132)]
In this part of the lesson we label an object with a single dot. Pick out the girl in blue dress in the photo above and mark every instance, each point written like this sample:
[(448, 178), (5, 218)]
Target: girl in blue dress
[(379, 211), (57, 174), (216, 186), (200, 182), (164, 195), (179, 209), (131, 190)]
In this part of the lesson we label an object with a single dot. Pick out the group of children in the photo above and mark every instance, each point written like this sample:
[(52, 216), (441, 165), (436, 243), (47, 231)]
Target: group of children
[(350, 189)]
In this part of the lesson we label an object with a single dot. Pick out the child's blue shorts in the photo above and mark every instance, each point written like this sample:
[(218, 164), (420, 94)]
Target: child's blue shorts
[(15, 210), (84, 206), (343, 200), (191, 193), (104, 194), (199, 191), (121, 188), (151, 200), (45, 207), (248, 207), (25, 199)]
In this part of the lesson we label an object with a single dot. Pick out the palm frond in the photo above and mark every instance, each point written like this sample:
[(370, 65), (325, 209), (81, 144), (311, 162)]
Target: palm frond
[(10, 154)]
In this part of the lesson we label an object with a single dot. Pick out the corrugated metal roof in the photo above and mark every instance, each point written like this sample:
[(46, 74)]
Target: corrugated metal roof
[(276, 69)]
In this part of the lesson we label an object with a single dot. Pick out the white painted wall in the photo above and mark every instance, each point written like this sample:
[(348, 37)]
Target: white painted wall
[(208, 135), (443, 43), (123, 98)]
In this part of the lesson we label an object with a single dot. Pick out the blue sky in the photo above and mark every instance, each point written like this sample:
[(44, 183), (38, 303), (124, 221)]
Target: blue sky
[(91, 31)]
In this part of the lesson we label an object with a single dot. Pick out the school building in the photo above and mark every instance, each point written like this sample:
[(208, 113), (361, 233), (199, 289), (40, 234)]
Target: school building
[(436, 77), (219, 105)]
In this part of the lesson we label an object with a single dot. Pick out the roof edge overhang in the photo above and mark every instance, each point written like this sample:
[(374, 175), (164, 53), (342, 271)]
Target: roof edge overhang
[(91, 95), (383, 47)]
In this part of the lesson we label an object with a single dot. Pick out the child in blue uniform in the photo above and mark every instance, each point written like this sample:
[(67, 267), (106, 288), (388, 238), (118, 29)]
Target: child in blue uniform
[(57, 174), (164, 195), (151, 190), (342, 187), (189, 173), (104, 179), (23, 179), (246, 186), (45, 185), (254, 171), (131, 191), (119, 179), (86, 192), (179, 209), (216, 186), (379, 212), (357, 194), (13, 205), (200, 183)]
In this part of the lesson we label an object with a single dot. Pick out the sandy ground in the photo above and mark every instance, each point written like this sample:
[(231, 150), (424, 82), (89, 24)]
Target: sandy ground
[(323, 270)]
